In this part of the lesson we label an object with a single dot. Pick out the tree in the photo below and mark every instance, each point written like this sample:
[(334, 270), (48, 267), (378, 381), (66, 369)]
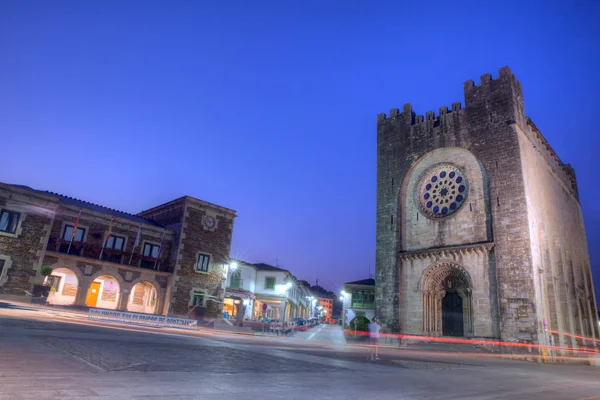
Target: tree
[(46, 270)]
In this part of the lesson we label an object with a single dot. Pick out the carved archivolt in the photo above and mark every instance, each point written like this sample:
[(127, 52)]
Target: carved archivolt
[(443, 277)]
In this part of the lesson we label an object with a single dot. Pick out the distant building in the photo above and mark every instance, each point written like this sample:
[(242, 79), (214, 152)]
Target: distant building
[(166, 260), (267, 291), (360, 298), (327, 308)]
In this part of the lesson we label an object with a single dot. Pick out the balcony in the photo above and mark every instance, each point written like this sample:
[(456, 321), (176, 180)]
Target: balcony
[(360, 304), (93, 251)]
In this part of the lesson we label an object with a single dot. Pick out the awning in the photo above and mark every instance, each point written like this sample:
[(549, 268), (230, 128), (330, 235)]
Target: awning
[(243, 295)]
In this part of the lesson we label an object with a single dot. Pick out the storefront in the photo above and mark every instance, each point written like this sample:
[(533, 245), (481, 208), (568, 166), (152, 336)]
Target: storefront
[(270, 309), (233, 302)]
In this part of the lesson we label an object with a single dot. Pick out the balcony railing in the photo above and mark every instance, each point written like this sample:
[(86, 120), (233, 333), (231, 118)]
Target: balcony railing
[(360, 304), (92, 251)]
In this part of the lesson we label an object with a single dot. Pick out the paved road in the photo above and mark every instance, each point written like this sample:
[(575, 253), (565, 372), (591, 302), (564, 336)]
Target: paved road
[(44, 355)]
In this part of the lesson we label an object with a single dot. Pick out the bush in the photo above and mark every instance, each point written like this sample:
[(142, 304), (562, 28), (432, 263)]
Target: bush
[(45, 270), (362, 326)]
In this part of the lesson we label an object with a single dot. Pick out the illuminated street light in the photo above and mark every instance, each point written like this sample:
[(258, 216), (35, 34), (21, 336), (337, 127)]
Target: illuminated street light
[(233, 265)]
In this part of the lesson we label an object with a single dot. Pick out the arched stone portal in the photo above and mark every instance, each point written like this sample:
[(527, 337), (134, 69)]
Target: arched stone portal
[(65, 285), (143, 298), (104, 292), (447, 301)]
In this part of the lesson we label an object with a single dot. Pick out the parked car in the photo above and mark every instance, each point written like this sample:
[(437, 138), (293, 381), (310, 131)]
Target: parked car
[(299, 321)]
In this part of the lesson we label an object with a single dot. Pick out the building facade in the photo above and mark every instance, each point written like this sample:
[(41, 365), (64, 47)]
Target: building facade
[(479, 227), (168, 260), (266, 291), (360, 298)]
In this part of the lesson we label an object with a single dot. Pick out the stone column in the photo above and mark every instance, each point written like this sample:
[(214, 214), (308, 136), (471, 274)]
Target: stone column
[(428, 312), (425, 314), (123, 299), (82, 289), (81, 295)]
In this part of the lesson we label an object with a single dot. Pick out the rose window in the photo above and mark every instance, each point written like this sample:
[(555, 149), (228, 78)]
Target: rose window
[(442, 191)]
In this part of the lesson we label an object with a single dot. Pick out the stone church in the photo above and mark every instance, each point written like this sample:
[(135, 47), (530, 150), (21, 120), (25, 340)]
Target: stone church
[(479, 227)]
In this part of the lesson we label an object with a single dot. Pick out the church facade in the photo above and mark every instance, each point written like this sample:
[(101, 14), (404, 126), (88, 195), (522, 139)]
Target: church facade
[(479, 227)]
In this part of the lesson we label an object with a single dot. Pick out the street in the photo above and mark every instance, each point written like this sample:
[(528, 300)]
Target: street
[(47, 354)]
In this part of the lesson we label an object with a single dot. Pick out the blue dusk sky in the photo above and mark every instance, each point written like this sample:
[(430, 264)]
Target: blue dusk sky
[(269, 107)]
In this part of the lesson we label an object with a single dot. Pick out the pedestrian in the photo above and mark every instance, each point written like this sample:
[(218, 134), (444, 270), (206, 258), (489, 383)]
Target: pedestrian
[(374, 336)]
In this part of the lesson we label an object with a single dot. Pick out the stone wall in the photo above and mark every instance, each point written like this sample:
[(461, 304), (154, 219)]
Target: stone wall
[(564, 291), (22, 252), (188, 216), (197, 238)]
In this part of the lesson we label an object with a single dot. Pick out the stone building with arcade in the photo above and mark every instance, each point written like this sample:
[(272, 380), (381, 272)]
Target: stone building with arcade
[(169, 260), (480, 232)]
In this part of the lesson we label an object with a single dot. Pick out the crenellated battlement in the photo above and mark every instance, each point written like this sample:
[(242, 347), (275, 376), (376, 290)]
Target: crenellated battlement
[(415, 119), (486, 82)]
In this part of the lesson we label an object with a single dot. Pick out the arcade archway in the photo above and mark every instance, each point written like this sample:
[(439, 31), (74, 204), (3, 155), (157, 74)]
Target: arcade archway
[(103, 292), (64, 284), (143, 298)]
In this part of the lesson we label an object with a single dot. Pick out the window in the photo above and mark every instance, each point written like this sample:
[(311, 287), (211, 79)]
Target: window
[(9, 221), (115, 243), (67, 235), (151, 251), (236, 280), (363, 298), (1, 267), (198, 298), (203, 262), (269, 283)]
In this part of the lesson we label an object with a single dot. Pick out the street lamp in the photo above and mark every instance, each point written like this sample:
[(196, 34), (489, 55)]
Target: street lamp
[(232, 266)]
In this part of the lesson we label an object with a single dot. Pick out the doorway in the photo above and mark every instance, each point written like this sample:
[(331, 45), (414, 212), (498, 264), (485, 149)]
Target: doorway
[(92, 294), (452, 315)]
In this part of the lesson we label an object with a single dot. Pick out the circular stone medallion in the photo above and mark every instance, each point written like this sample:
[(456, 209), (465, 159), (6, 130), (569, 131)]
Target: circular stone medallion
[(442, 190)]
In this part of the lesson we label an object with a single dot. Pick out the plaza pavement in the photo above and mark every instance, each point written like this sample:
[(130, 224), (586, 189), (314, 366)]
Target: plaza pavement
[(50, 354)]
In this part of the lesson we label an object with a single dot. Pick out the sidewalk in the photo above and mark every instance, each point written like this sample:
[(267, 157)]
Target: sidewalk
[(49, 313)]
